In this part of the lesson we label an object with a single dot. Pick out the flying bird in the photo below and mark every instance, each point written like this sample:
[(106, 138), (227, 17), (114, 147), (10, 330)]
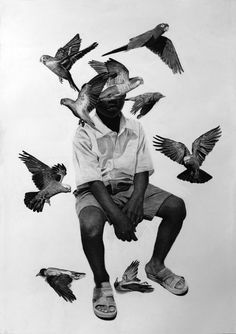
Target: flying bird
[(160, 45), (178, 152), (47, 180), (130, 282), (65, 57), (118, 85), (144, 103), (87, 99), (60, 280)]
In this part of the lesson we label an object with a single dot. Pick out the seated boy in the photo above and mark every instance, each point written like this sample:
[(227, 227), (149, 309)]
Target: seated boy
[(112, 176)]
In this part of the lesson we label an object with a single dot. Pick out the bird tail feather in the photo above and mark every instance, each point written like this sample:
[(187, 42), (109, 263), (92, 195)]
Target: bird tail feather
[(122, 48), (202, 176), (32, 203), (73, 85)]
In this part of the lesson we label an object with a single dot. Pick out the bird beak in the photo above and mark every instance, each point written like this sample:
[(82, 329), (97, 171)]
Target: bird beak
[(41, 59), (162, 96), (62, 101), (37, 274)]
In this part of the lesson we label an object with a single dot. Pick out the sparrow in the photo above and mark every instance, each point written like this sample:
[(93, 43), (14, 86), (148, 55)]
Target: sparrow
[(47, 180), (87, 99), (145, 102), (160, 45), (60, 280), (178, 152), (130, 282), (118, 85), (65, 57)]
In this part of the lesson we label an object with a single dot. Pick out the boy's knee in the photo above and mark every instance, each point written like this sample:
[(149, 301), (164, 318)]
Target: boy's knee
[(174, 207), (91, 222)]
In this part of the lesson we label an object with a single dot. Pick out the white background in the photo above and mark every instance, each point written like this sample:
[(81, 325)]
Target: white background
[(33, 120)]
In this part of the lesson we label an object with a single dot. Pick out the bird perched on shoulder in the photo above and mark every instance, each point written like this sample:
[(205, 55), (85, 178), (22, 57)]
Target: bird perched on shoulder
[(87, 99), (130, 282), (47, 179), (145, 102), (60, 280), (178, 152), (158, 44), (118, 85), (65, 57)]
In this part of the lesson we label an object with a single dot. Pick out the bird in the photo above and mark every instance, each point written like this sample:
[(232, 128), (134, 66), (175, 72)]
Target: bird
[(145, 102), (118, 85), (87, 99), (60, 280), (47, 180), (130, 282), (65, 57), (160, 45), (178, 152)]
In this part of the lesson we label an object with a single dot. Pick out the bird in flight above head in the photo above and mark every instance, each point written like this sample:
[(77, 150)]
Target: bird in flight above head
[(160, 45)]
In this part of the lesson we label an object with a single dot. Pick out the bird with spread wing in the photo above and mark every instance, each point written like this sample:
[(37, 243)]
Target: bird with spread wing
[(130, 282), (47, 179), (65, 58), (178, 152), (118, 85), (144, 102), (87, 99), (60, 280), (160, 45)]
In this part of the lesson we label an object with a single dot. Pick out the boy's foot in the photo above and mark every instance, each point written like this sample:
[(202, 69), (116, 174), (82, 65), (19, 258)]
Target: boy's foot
[(170, 281), (104, 305)]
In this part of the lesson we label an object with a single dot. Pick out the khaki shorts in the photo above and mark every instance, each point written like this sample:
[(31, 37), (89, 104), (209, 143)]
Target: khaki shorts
[(153, 199)]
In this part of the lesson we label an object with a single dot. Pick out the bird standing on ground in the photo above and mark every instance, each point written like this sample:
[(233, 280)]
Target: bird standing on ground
[(60, 280), (158, 44), (65, 57), (130, 282), (145, 102), (47, 180), (87, 99), (121, 83), (178, 152)]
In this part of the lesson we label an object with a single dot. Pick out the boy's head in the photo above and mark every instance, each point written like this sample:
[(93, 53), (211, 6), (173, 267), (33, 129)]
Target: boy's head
[(110, 108)]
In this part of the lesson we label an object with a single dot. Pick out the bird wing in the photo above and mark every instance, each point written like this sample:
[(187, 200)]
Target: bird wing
[(70, 48), (42, 173), (174, 150), (140, 40), (60, 283), (122, 73), (166, 50), (136, 286), (204, 144), (146, 108), (131, 272)]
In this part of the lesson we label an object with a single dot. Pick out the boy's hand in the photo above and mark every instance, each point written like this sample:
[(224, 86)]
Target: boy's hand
[(134, 209), (123, 227)]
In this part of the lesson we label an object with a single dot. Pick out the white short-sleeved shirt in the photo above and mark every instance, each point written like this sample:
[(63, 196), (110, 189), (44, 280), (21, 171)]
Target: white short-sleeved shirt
[(109, 156)]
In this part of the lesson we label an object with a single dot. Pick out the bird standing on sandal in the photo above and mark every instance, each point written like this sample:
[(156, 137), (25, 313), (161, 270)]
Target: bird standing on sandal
[(160, 45), (178, 152)]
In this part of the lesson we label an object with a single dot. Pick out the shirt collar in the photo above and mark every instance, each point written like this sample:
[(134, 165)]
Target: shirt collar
[(125, 123)]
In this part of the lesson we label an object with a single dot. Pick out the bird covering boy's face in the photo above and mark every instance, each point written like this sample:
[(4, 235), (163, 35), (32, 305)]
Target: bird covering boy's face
[(110, 108)]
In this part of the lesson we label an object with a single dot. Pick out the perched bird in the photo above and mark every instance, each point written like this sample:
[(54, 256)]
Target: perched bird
[(178, 152), (158, 44), (130, 282), (60, 280), (118, 85), (87, 99), (145, 102), (65, 57), (47, 180)]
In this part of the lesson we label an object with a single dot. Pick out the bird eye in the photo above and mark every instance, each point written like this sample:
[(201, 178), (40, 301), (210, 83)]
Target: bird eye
[(58, 178)]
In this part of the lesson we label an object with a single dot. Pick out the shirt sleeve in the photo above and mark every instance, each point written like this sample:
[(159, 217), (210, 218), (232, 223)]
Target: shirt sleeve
[(85, 159), (144, 161)]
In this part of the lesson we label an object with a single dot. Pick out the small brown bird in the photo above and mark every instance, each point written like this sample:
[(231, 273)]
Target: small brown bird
[(130, 282), (145, 102), (60, 280), (119, 84), (178, 152), (87, 99), (158, 44), (65, 57), (47, 180)]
